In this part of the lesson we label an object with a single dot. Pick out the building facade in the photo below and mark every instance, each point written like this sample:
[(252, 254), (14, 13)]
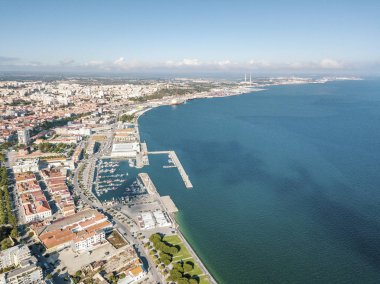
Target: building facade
[(23, 136), (26, 165), (25, 269), (13, 256)]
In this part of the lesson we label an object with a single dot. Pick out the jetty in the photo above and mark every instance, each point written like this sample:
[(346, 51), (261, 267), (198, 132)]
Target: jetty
[(173, 156), (168, 204), (147, 183)]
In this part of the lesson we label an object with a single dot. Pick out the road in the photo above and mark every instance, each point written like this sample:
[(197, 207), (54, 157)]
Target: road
[(141, 251)]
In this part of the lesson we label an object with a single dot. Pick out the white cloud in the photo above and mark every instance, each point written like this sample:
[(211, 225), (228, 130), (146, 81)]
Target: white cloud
[(328, 63), (122, 64), (259, 64), (191, 64), (224, 62), (120, 61), (67, 62), (185, 62)]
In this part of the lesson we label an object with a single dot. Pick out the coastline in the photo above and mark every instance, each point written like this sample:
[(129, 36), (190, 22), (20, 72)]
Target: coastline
[(167, 101), (196, 256), (180, 233)]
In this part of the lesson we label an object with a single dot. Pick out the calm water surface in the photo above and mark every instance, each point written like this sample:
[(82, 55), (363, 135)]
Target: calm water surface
[(286, 181)]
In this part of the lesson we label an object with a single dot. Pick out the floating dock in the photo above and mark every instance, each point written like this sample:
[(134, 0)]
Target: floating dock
[(172, 155)]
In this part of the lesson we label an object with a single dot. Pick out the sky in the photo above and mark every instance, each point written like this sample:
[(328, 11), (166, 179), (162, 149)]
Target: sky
[(207, 35)]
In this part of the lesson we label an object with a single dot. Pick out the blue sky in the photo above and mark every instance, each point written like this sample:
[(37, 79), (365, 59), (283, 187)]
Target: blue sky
[(190, 35)]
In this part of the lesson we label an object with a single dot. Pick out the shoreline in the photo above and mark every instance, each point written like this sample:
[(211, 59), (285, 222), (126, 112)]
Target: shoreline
[(203, 266), (180, 233), (164, 101), (167, 101)]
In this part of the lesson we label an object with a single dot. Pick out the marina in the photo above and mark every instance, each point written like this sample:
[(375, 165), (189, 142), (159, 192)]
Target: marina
[(108, 178)]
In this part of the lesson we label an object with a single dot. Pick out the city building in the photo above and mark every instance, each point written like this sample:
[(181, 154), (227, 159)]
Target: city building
[(161, 219), (126, 150), (28, 186), (13, 256), (133, 275), (84, 240), (91, 147), (25, 177), (23, 266), (33, 201), (125, 135), (26, 165), (77, 156), (146, 221), (23, 136), (27, 273), (55, 181), (35, 206), (81, 231)]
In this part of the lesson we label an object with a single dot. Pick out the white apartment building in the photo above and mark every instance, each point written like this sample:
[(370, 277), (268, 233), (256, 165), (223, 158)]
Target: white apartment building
[(23, 136), (26, 271), (89, 240), (24, 165), (13, 256), (38, 211)]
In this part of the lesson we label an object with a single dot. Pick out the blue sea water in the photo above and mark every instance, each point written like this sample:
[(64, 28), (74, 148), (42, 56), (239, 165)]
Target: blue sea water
[(286, 181)]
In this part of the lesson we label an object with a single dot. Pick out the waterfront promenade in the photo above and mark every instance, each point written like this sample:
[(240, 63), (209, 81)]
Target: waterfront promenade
[(167, 203)]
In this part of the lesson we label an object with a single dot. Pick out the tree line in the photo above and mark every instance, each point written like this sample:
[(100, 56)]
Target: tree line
[(47, 147), (180, 270), (6, 214)]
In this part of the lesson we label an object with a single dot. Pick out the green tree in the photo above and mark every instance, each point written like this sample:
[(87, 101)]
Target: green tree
[(178, 266), (183, 280), (155, 238), (5, 244), (193, 281), (175, 275), (173, 250), (14, 233), (166, 261), (188, 266)]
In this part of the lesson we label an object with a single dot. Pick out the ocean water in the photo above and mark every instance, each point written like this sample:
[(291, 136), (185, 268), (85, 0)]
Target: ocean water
[(286, 181)]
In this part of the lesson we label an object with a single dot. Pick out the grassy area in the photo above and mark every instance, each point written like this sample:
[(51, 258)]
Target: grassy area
[(174, 239), (185, 255), (203, 280)]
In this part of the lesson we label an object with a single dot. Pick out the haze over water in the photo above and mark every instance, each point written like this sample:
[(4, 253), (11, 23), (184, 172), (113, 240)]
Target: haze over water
[(286, 181)]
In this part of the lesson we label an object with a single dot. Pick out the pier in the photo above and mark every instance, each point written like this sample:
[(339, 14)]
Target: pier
[(147, 183), (173, 156)]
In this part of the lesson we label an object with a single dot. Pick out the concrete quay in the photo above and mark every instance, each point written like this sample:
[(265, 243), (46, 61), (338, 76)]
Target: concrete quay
[(172, 155), (147, 183)]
